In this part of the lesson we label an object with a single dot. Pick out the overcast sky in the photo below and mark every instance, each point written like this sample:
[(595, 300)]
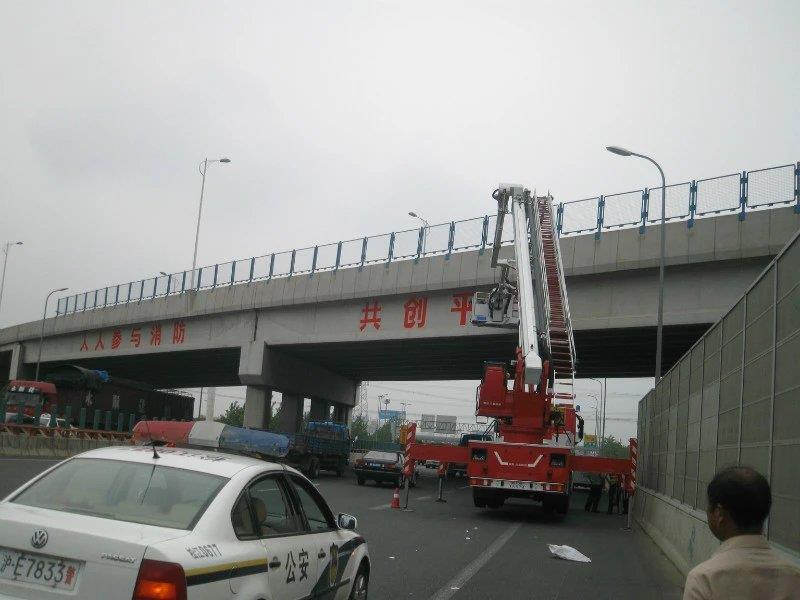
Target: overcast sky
[(340, 117)]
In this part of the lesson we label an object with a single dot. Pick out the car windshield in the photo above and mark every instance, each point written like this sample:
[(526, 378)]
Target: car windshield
[(375, 455), (125, 491)]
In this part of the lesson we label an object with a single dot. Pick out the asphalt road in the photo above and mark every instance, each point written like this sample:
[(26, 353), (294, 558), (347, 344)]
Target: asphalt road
[(453, 550)]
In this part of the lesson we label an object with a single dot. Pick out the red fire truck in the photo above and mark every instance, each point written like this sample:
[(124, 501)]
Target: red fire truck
[(535, 424)]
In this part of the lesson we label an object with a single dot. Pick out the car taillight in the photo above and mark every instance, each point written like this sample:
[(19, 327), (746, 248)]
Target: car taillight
[(160, 581)]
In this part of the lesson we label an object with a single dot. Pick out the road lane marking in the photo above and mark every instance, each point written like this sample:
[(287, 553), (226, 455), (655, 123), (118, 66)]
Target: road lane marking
[(380, 507), (463, 487), (424, 497), (449, 589)]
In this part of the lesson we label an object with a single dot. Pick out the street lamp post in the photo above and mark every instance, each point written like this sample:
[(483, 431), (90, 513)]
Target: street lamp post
[(41, 334), (6, 248), (202, 168), (659, 331), (425, 226), (596, 418), (601, 439), (405, 404)]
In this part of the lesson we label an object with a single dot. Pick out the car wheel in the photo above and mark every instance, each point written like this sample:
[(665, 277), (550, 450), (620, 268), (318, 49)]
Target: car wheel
[(360, 585), (360, 480)]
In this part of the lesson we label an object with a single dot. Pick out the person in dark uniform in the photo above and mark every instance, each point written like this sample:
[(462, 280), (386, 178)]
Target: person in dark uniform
[(595, 491), (613, 493)]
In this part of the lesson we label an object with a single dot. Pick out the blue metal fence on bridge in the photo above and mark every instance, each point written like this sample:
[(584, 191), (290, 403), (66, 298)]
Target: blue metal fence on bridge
[(688, 201)]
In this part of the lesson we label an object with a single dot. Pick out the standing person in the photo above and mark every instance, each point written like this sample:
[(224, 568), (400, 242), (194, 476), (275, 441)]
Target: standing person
[(613, 492), (744, 566), (595, 491)]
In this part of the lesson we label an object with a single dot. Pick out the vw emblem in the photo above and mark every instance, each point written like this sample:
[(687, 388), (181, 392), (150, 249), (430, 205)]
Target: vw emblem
[(39, 538)]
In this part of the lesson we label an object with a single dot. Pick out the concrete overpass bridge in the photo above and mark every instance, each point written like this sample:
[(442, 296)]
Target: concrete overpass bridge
[(312, 323)]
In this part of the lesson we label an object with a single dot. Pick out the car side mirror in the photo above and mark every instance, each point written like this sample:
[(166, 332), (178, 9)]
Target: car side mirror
[(346, 521)]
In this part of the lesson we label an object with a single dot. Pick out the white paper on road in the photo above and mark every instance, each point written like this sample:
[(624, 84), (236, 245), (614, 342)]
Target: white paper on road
[(568, 553)]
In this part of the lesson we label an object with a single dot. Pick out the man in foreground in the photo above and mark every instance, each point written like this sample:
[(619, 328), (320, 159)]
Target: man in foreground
[(744, 566)]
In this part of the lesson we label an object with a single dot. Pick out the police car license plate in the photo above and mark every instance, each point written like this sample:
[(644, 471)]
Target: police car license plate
[(38, 569)]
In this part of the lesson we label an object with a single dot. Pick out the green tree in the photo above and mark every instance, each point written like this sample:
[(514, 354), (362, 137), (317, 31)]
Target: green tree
[(383, 433), (613, 448), (234, 415), (359, 428)]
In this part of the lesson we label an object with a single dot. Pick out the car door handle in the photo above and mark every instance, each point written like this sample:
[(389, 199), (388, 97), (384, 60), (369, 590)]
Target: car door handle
[(321, 554), (274, 563)]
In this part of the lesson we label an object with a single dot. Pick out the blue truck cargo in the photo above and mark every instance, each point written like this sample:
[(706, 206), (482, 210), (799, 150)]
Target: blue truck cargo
[(323, 445)]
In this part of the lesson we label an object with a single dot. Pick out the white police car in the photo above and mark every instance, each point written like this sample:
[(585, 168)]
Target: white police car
[(188, 525)]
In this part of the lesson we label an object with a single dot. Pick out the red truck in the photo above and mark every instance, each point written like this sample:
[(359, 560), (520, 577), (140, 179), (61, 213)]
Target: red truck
[(77, 388)]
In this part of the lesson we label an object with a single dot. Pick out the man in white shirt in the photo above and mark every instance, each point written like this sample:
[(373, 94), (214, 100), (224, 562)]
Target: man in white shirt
[(744, 567)]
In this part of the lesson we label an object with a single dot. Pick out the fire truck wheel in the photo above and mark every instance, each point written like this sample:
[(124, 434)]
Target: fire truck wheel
[(478, 498)]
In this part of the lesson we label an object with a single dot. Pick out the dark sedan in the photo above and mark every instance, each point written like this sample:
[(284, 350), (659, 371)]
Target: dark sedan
[(382, 466)]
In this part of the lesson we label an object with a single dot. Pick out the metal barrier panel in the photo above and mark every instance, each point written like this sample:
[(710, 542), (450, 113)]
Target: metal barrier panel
[(734, 399), (623, 209), (676, 199), (303, 261), (406, 243), (770, 187), (261, 267), (223, 274), (282, 264), (579, 216), (378, 248), (718, 194), (326, 257), (241, 270), (437, 238), (351, 253), (467, 234)]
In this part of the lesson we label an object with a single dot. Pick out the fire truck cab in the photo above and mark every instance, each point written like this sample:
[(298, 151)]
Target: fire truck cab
[(30, 398)]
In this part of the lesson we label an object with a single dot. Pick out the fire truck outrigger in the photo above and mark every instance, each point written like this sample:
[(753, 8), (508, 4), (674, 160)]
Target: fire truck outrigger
[(536, 428)]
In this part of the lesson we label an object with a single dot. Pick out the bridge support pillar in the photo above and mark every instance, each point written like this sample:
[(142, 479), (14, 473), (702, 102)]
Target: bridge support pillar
[(290, 415), (257, 409), (320, 410), (261, 365), (341, 413), (11, 363)]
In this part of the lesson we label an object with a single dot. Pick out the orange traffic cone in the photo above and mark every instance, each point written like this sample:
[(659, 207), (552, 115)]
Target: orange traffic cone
[(395, 499)]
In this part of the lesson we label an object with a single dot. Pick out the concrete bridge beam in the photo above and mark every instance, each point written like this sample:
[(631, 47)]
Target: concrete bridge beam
[(259, 365)]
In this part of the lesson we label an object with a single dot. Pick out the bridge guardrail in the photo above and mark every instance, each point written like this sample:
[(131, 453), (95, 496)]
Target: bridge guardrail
[(687, 201)]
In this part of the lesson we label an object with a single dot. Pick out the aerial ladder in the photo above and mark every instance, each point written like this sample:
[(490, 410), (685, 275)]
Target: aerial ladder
[(535, 427)]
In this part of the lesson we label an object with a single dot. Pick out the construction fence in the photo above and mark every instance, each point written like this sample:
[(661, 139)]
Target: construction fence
[(734, 398)]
